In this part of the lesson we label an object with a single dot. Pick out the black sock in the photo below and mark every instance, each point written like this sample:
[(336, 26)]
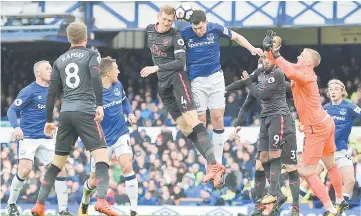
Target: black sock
[(260, 182), (193, 137), (275, 173), (294, 182), (48, 182), (267, 167), (102, 179), (205, 143)]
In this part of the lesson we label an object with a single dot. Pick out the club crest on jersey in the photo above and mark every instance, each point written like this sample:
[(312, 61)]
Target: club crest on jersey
[(39, 97), (165, 41), (18, 102), (343, 111), (116, 92), (271, 80), (210, 36)]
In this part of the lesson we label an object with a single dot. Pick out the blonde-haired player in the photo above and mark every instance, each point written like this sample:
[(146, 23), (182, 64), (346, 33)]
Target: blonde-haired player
[(343, 113)]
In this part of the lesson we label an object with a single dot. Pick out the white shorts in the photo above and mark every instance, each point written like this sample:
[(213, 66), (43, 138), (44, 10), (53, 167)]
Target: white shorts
[(122, 146), (208, 92), (43, 149), (342, 159)]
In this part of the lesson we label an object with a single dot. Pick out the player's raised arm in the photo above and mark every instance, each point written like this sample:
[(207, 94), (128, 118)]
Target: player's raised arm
[(55, 87), (94, 67), (245, 43), (308, 57)]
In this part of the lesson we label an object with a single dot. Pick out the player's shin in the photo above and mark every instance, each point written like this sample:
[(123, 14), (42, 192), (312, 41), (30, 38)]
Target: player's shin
[(48, 183), (87, 191), (319, 189), (336, 180), (205, 143), (193, 137), (102, 179), (294, 182), (260, 182), (218, 143), (275, 172), (131, 187), (15, 188), (61, 193)]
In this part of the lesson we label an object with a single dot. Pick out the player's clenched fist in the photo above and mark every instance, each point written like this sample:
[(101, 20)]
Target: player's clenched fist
[(49, 129), (18, 134), (245, 75)]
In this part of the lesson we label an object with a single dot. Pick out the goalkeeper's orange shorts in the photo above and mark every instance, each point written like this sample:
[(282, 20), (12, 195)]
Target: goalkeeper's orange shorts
[(319, 141)]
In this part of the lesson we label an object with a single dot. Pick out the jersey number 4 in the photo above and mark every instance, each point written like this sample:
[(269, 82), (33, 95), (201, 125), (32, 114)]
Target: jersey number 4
[(72, 78), (183, 101)]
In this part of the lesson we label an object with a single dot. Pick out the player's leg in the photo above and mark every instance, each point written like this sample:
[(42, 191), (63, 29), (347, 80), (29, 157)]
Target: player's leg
[(216, 105), (26, 153), (45, 153), (91, 133), (289, 159), (312, 153), (304, 185), (123, 151), (344, 163), (275, 136), (65, 141), (333, 171), (185, 103)]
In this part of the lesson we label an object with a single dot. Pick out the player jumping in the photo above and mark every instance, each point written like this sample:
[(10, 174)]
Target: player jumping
[(169, 57), (76, 73), (202, 40), (30, 103), (319, 127), (343, 113), (116, 132)]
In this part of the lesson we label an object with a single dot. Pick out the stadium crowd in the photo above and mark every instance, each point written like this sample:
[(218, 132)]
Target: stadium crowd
[(170, 168)]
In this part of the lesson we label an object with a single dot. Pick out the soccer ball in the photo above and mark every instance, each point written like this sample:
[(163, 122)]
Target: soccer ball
[(183, 11)]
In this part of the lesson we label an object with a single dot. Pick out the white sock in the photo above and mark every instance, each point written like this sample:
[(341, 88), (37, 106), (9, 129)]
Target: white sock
[(346, 196), (131, 187), (332, 210), (303, 192), (61, 191), (15, 188), (338, 201), (87, 192), (218, 143)]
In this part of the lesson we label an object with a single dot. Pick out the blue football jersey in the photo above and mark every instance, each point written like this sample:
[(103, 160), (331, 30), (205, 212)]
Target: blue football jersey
[(343, 115), (203, 53), (31, 105), (116, 104)]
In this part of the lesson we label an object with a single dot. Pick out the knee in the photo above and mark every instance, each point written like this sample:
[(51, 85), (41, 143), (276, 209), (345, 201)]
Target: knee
[(92, 181), (203, 119), (275, 154), (62, 173), (291, 168), (264, 157), (127, 167), (217, 119), (24, 168), (349, 181), (259, 166), (182, 125)]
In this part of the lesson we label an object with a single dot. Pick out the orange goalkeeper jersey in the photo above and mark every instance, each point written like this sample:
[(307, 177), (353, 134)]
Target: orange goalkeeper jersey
[(305, 93)]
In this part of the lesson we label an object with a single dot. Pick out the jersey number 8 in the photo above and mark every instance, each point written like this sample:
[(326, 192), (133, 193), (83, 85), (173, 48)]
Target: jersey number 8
[(72, 79)]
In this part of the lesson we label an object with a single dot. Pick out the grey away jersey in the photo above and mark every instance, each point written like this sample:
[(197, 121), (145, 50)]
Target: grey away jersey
[(272, 93), (73, 69), (166, 48)]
